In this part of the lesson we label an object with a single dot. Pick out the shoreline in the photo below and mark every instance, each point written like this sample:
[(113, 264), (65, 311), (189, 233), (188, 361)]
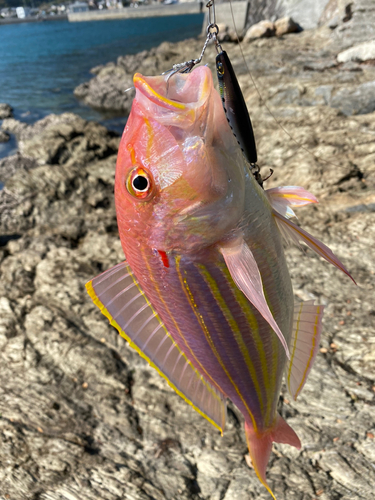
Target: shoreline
[(16, 20)]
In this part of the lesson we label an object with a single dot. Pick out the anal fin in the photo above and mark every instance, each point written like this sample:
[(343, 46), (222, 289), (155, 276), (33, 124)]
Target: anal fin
[(120, 298), (304, 346)]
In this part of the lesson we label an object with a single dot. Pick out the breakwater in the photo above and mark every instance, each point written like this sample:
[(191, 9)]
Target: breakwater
[(130, 13)]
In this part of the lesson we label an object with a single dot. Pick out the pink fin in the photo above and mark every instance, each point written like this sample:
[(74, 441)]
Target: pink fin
[(284, 197), (307, 328), (260, 445), (296, 234), (245, 273)]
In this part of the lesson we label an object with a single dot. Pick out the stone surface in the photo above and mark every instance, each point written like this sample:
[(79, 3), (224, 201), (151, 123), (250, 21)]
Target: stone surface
[(359, 53), (83, 417), (263, 29), (305, 13), (6, 111), (286, 25), (4, 136), (13, 126)]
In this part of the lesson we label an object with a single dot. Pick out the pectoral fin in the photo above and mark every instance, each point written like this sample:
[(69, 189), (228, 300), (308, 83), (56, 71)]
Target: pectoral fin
[(120, 298), (284, 198), (307, 328), (296, 234), (245, 273)]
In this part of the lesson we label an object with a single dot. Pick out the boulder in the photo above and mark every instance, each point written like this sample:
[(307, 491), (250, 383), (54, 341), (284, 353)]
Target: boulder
[(359, 53), (264, 29), (286, 25), (4, 136), (6, 111), (227, 34), (67, 139), (108, 89), (11, 164), (13, 126)]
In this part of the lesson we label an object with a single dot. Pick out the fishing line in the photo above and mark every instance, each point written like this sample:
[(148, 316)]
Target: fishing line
[(300, 146)]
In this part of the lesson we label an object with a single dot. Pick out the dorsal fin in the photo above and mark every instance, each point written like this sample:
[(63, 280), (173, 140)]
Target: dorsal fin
[(120, 298)]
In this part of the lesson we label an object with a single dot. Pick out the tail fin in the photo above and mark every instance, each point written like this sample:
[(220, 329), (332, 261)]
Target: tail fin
[(260, 445)]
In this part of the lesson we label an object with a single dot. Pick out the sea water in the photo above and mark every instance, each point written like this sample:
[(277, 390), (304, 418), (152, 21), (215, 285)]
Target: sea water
[(42, 63)]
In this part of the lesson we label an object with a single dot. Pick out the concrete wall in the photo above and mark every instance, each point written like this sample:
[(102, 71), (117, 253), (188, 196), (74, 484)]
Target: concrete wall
[(224, 14), (129, 13)]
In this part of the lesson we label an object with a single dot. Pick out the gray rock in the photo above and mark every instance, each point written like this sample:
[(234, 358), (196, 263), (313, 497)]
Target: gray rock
[(357, 101), (67, 139), (107, 90), (263, 29), (6, 111), (4, 136), (286, 25), (306, 14), (359, 53), (10, 164), (13, 126)]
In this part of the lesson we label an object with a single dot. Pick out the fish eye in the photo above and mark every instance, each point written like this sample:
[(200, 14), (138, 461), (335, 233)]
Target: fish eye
[(220, 68), (139, 184)]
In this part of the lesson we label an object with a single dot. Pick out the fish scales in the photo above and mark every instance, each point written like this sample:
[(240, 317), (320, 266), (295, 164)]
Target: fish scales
[(205, 295), (207, 304)]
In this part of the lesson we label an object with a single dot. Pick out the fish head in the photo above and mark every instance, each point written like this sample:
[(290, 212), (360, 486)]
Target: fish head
[(180, 175)]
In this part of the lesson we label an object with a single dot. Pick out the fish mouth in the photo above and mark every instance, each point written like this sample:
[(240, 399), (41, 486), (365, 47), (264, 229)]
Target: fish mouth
[(179, 93)]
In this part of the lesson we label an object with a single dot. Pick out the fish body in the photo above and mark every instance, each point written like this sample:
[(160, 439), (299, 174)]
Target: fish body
[(205, 294)]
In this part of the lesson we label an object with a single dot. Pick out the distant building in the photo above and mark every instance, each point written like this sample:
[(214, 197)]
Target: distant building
[(22, 12), (79, 7)]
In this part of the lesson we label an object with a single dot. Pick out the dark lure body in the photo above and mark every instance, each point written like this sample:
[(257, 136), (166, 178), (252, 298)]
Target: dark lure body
[(235, 107)]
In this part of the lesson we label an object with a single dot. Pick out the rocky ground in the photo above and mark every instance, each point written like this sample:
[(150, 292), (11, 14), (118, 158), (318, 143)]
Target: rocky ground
[(81, 415)]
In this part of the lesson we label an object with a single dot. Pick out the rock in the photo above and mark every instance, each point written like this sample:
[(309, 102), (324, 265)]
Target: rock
[(107, 90), (286, 25), (82, 415), (227, 34), (67, 139), (13, 126), (4, 136), (10, 164), (355, 101), (6, 111), (263, 29), (359, 53)]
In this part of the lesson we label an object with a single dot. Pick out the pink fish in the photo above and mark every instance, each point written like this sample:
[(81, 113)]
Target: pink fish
[(205, 295)]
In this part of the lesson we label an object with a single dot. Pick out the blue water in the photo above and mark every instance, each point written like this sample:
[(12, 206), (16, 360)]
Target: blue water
[(41, 63)]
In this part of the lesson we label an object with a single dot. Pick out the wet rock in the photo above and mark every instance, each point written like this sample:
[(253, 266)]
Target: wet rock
[(286, 25), (263, 29), (362, 52), (13, 126), (6, 111), (4, 136)]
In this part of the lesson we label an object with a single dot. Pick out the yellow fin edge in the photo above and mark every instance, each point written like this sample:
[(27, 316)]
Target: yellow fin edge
[(104, 311)]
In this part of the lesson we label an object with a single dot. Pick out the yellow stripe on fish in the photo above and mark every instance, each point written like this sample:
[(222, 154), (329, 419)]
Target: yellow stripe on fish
[(207, 335), (234, 328)]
